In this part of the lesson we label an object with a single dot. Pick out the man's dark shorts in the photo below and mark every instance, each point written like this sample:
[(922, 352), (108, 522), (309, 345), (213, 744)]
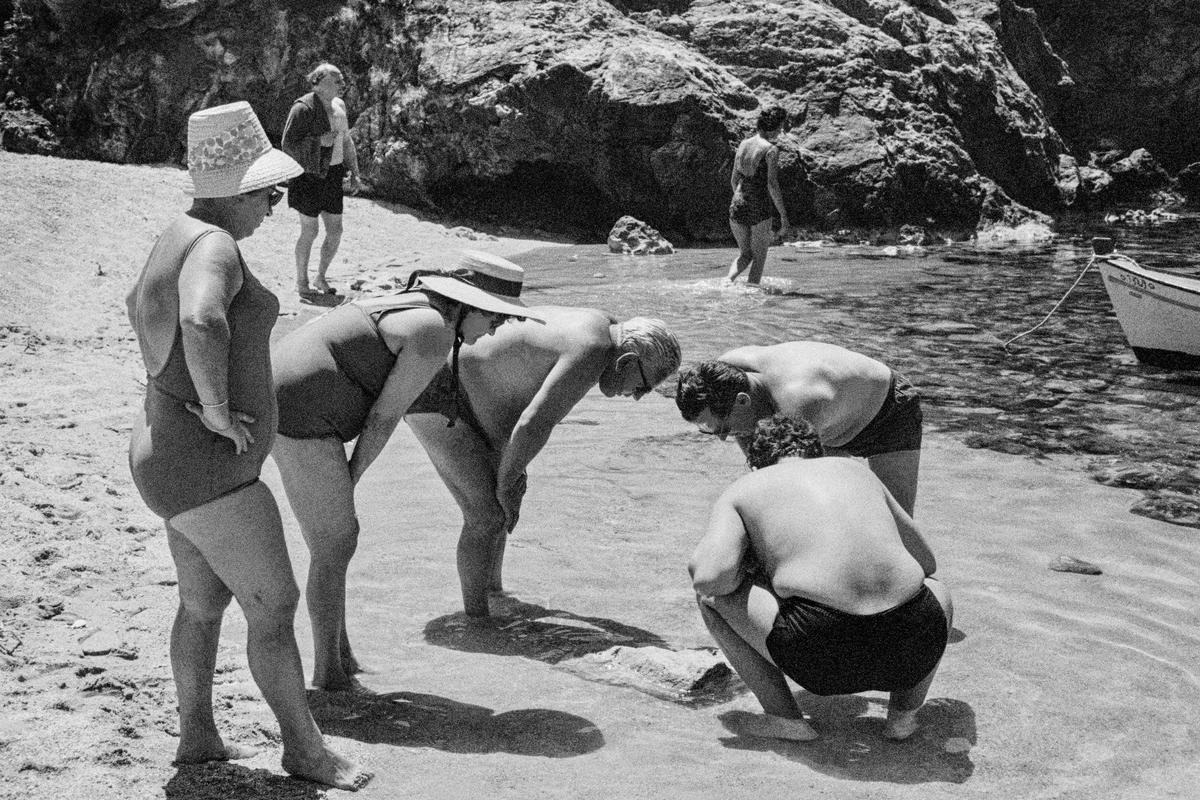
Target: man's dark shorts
[(897, 425), (311, 195), (828, 651)]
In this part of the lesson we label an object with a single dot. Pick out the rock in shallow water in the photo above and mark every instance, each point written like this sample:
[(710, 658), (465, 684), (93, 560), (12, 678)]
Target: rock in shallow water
[(1065, 563), (672, 674)]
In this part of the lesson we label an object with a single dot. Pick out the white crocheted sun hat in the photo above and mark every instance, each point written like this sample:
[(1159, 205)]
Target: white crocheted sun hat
[(229, 153)]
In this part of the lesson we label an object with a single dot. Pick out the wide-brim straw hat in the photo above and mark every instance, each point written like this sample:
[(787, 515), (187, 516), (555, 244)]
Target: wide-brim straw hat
[(229, 153), (482, 281)]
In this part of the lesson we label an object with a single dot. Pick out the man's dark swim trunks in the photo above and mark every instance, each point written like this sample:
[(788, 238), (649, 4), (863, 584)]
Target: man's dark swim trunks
[(895, 427), (832, 652)]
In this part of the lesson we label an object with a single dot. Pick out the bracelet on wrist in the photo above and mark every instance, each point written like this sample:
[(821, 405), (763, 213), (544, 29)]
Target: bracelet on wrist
[(214, 405)]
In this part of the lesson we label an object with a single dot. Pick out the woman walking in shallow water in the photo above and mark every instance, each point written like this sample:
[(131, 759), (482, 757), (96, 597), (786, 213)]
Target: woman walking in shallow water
[(203, 323), (757, 198)]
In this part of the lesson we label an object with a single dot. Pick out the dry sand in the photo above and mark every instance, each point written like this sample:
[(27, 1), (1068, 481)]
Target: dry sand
[(1055, 685)]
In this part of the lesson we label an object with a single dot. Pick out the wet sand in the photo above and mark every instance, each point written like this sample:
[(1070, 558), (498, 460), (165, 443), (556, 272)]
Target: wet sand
[(1054, 685)]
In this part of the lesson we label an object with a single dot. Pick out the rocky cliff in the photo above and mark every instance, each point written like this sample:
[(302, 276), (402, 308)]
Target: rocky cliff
[(1136, 66), (576, 112)]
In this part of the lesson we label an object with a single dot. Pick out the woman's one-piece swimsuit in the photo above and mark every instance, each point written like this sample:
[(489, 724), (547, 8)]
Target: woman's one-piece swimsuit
[(177, 463), (752, 202), (329, 373)]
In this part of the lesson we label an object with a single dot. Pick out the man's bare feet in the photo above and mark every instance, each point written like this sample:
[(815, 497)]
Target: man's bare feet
[(335, 680), (196, 753), (329, 768), (770, 726), (900, 725)]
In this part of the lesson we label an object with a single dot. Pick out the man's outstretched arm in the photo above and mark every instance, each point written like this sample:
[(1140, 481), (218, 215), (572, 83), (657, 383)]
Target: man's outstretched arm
[(567, 383)]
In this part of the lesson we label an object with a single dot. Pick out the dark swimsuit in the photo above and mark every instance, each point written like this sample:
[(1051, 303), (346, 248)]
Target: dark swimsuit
[(896, 427), (330, 372), (177, 463), (752, 202), (828, 651)]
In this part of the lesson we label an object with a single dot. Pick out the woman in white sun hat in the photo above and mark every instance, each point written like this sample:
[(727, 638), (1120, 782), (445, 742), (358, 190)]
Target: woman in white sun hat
[(203, 323), (352, 374)]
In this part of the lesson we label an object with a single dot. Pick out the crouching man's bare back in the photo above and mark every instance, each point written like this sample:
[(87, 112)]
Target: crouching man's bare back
[(810, 569)]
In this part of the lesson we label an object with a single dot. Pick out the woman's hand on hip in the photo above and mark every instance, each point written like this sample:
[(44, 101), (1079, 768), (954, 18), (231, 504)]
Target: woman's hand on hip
[(226, 422)]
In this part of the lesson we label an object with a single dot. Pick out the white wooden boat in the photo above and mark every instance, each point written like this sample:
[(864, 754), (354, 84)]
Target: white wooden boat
[(1158, 311)]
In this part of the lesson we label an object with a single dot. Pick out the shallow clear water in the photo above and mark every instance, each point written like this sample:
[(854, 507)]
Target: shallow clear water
[(940, 315)]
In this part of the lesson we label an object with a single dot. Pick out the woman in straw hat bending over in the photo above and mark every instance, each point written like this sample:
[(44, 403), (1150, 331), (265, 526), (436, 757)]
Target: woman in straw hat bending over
[(203, 323), (352, 374)]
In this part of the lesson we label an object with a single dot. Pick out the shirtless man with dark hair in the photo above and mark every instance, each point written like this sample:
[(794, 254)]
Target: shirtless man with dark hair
[(858, 406), (810, 569), (513, 390)]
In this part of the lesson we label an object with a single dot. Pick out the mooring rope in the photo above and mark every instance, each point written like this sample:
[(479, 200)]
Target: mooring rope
[(1091, 261)]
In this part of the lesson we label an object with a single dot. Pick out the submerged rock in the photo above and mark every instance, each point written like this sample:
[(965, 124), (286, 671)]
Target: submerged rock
[(1065, 563), (1174, 507), (683, 675)]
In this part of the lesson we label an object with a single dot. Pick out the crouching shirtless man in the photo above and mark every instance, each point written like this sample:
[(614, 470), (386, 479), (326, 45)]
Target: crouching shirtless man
[(811, 569)]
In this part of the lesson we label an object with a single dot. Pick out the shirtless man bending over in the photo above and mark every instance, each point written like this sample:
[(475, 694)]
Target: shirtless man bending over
[(857, 405), (810, 569), (522, 382)]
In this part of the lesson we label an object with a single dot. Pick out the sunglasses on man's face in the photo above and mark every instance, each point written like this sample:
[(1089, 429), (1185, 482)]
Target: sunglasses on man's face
[(274, 196)]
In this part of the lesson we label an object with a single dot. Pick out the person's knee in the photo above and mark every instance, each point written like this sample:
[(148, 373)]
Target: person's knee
[(272, 603), (308, 227), (333, 543), (483, 522), (205, 608)]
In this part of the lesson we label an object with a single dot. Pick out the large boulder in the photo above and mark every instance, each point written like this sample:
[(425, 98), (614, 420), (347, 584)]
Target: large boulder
[(901, 109), (1189, 183), (1137, 73), (1137, 176), (571, 112), (1082, 186)]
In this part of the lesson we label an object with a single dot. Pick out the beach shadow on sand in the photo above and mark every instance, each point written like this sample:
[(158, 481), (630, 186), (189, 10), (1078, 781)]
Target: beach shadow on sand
[(535, 632), (409, 719), (227, 779), (852, 746)]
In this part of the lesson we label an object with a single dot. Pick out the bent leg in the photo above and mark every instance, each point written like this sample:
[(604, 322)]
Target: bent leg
[(761, 236), (316, 480), (329, 247), (468, 465), (899, 472), (740, 623), (241, 537), (745, 254), (203, 599), (904, 704), (309, 226)]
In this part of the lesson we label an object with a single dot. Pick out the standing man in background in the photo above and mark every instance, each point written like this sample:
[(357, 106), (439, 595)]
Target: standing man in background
[(317, 135)]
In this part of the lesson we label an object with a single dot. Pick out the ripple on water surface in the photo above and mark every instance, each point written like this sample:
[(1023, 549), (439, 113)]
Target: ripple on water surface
[(941, 315)]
